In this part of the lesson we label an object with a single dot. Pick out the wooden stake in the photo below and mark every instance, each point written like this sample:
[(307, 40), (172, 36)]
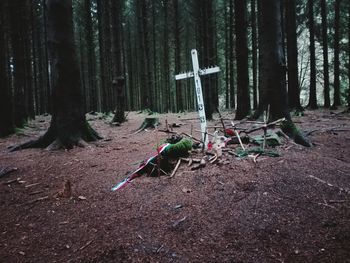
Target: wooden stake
[(239, 138), (222, 121)]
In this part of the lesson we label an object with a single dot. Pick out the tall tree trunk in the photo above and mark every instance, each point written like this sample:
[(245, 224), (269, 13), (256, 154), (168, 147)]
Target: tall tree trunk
[(254, 53), (292, 56), (19, 38), (47, 65), (273, 82), (101, 17), (157, 89), (207, 56), (91, 57), (349, 58), (6, 121), (166, 70), (243, 98), (118, 71), (327, 102), (68, 124), (312, 94), (231, 55), (227, 84), (177, 35), (336, 100), (142, 25)]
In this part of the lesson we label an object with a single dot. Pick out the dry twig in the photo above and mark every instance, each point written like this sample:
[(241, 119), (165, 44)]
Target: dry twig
[(176, 167)]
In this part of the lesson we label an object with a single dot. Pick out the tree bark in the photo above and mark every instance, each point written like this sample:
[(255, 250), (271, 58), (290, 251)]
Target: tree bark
[(231, 55), (292, 57), (243, 98), (91, 57), (254, 53), (19, 31), (68, 125), (273, 81), (312, 94), (177, 35), (327, 102), (6, 121), (336, 98), (349, 58)]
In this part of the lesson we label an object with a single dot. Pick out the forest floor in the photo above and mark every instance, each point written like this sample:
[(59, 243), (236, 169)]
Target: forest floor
[(292, 208)]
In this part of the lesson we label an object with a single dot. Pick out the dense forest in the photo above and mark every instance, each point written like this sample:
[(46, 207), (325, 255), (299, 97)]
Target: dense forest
[(183, 130), (128, 53)]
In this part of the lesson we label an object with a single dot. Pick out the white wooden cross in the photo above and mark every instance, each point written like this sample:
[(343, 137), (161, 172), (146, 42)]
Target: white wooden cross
[(195, 74)]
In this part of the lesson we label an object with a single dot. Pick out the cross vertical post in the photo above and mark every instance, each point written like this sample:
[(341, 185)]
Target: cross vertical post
[(196, 73)]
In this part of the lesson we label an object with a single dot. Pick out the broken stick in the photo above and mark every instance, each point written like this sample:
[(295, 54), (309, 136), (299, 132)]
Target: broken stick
[(176, 167), (239, 138)]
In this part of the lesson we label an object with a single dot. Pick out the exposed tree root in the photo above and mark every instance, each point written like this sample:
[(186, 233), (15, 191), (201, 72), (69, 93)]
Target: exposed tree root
[(52, 140), (148, 123), (289, 128)]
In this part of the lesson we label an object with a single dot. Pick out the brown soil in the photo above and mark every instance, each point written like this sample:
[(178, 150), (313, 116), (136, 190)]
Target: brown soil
[(294, 208)]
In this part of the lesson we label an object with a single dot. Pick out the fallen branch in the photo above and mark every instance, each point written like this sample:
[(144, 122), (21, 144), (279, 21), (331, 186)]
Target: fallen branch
[(36, 192), (7, 170), (31, 185), (176, 167), (222, 121), (179, 221), (86, 245), (200, 165), (265, 126), (37, 200), (182, 133), (13, 181), (332, 129), (214, 158), (239, 138), (329, 184)]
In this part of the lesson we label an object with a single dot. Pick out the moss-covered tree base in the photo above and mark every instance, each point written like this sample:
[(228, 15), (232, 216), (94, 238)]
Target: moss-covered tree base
[(54, 140), (289, 128), (148, 123)]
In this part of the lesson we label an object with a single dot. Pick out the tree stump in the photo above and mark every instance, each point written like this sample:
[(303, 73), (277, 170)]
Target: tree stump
[(150, 122)]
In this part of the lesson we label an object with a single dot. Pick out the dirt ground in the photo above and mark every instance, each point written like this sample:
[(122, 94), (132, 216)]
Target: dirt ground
[(293, 208)]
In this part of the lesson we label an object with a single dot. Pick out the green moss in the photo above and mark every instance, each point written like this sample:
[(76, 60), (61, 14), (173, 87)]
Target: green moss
[(179, 149), (289, 128), (243, 153)]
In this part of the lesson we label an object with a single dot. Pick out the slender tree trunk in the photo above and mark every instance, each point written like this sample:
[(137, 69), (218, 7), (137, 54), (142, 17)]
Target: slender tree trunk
[(19, 45), (254, 53), (6, 121), (292, 56), (231, 55), (166, 69), (47, 65), (312, 94), (227, 85), (177, 36), (142, 24), (327, 102), (243, 99), (118, 71), (336, 100), (157, 89), (91, 57), (102, 53), (348, 58)]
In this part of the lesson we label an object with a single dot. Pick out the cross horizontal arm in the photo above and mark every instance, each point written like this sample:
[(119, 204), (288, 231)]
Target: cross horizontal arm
[(185, 75), (207, 71)]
